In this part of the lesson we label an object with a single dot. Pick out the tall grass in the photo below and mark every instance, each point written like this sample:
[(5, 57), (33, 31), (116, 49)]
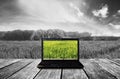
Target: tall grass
[(99, 49), (32, 49), (60, 49), (20, 49)]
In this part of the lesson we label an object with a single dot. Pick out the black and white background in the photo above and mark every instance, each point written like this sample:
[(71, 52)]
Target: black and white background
[(99, 17), (24, 22)]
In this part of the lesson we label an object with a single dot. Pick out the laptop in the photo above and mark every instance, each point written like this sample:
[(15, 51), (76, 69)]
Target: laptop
[(60, 53)]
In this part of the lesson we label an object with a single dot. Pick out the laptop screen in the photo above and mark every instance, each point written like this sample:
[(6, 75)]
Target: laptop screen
[(60, 49)]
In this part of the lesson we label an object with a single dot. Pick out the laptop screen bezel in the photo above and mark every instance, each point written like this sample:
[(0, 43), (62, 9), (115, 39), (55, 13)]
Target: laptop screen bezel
[(43, 39)]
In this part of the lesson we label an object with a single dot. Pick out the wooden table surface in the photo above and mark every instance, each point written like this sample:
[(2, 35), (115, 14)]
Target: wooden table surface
[(27, 69)]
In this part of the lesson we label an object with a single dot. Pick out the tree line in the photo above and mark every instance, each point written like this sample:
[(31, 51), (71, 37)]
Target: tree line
[(22, 35)]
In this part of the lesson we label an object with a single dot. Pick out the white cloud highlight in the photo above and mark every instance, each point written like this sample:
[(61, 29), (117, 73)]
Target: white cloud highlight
[(79, 13), (47, 10), (117, 27), (102, 13), (119, 11)]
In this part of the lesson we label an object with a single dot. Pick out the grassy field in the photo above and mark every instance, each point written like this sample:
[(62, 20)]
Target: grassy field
[(32, 49), (60, 50), (20, 49), (100, 49)]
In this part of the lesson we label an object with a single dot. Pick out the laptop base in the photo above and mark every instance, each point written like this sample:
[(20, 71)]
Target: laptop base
[(67, 64)]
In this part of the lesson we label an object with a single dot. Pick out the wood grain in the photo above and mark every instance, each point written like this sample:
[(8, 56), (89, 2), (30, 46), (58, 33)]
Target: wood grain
[(110, 67), (13, 68), (117, 61), (74, 74), (95, 71), (2, 60), (6, 62), (49, 74), (28, 72), (27, 69)]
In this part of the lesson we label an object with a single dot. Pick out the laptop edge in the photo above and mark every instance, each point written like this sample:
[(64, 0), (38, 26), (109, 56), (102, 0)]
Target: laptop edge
[(60, 63)]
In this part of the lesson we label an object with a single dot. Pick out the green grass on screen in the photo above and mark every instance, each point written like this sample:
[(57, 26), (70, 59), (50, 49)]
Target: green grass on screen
[(61, 50)]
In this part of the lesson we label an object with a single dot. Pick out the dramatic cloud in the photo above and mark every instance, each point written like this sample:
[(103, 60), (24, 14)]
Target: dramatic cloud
[(103, 12), (46, 10), (68, 15)]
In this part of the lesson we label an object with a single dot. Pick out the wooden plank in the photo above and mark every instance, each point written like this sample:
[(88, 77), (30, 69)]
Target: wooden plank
[(13, 68), (2, 60), (28, 72), (74, 74), (95, 71), (117, 61), (49, 74), (110, 67), (6, 62)]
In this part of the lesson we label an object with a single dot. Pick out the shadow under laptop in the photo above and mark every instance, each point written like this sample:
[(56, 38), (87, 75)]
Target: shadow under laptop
[(58, 64)]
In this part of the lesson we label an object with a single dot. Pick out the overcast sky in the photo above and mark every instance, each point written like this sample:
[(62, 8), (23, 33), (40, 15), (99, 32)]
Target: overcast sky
[(99, 17)]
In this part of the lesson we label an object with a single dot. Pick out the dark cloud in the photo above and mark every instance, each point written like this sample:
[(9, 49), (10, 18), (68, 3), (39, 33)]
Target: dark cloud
[(113, 7), (9, 8)]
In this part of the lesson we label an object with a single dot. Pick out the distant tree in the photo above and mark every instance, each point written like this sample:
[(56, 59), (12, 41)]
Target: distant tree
[(78, 35), (37, 35), (58, 33), (27, 34), (17, 35), (2, 35)]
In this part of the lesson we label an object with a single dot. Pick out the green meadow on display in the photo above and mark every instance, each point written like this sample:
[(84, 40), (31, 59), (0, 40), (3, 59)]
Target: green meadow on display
[(60, 50)]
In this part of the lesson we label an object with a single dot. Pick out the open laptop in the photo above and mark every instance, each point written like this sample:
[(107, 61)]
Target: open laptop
[(60, 53)]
